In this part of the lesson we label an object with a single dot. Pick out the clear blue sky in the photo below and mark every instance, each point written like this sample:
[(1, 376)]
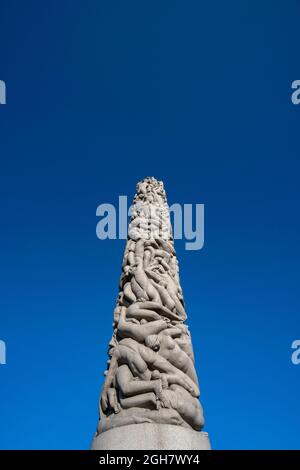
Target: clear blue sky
[(99, 95)]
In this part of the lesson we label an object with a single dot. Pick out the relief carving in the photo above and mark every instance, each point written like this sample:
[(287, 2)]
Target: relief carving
[(151, 375)]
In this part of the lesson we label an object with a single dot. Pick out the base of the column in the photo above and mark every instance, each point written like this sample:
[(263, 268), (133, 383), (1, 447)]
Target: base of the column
[(150, 436)]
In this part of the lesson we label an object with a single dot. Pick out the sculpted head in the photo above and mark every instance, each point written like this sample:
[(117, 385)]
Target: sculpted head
[(153, 342)]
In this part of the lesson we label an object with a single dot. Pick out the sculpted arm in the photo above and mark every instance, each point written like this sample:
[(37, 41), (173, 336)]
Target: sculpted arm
[(130, 387), (162, 365), (139, 331)]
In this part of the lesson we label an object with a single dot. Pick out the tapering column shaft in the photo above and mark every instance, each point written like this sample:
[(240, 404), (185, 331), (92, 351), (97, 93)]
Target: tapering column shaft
[(150, 397)]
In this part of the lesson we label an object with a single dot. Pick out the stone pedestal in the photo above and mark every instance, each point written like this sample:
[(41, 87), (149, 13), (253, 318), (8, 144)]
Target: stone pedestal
[(150, 436)]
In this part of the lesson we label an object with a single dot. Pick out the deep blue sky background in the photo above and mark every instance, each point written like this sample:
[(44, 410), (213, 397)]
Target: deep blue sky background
[(99, 95)]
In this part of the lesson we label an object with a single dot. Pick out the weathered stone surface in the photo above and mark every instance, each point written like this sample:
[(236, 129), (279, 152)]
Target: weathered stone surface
[(151, 437), (151, 377)]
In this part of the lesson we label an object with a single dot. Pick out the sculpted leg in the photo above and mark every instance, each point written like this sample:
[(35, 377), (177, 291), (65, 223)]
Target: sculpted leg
[(137, 365), (136, 311), (155, 361), (146, 400), (155, 311), (128, 294), (169, 350), (138, 291), (110, 374), (129, 386), (127, 329), (113, 400), (189, 409)]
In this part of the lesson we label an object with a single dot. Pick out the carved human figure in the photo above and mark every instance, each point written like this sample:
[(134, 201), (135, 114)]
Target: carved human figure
[(169, 349), (151, 375), (142, 359), (137, 393)]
